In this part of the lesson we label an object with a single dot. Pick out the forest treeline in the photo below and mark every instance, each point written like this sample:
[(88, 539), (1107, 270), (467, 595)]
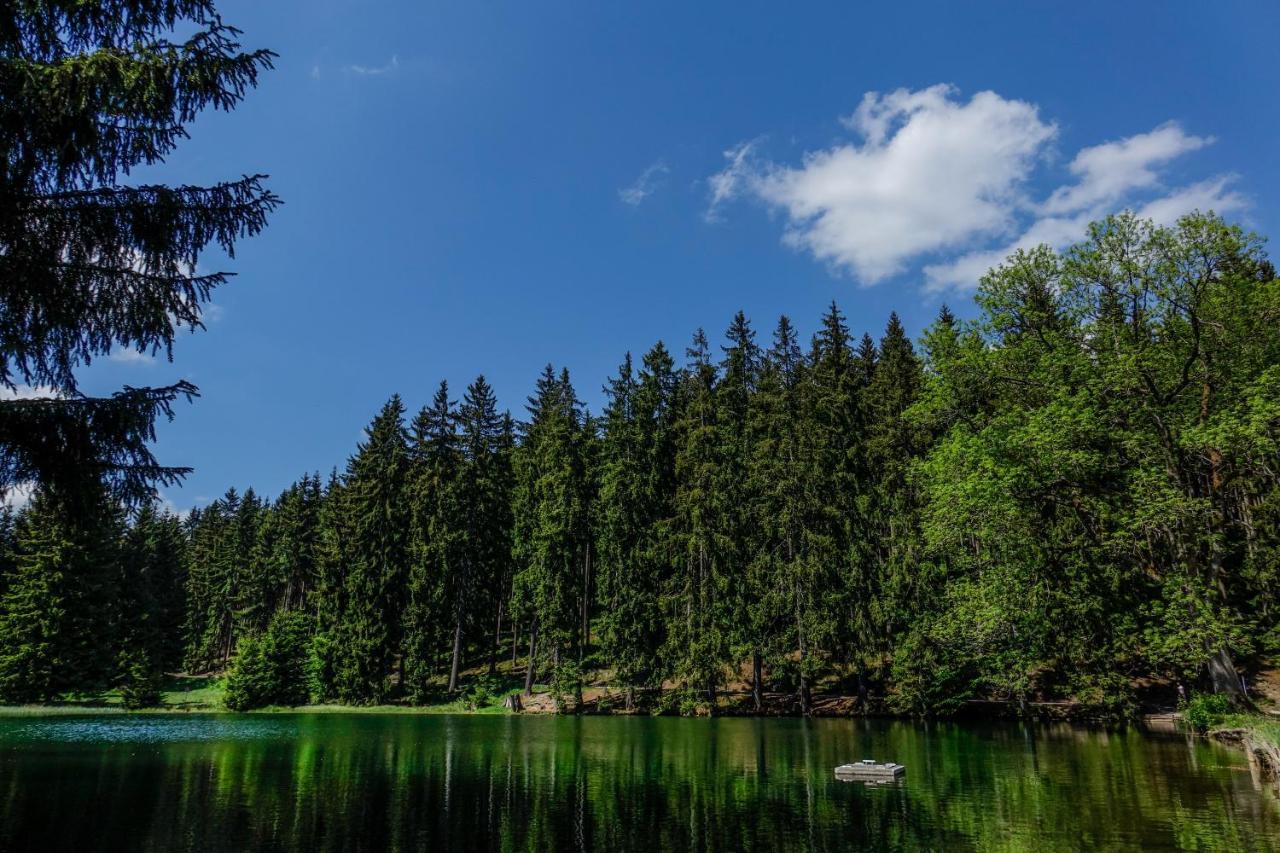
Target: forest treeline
[(1072, 493)]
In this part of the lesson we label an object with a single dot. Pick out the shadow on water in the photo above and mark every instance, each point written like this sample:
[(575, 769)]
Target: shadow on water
[(351, 782)]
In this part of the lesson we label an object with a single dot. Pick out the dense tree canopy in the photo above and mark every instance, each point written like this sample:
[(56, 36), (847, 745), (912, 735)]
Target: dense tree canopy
[(90, 92), (1071, 495)]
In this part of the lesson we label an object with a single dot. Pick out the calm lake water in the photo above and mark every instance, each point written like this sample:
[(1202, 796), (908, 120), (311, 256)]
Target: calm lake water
[(363, 782)]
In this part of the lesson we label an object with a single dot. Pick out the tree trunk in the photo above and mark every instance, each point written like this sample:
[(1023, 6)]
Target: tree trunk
[(631, 698), (1222, 673), (757, 686), (586, 605), (515, 641), (457, 654), (497, 640), (533, 647), (862, 686), (805, 704)]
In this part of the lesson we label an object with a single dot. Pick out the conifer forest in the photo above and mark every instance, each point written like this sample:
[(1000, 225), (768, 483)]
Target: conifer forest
[(1074, 494)]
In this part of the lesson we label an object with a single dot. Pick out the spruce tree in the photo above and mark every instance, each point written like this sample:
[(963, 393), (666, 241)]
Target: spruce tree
[(779, 509), (477, 581), (894, 441), (436, 530), (551, 527), (91, 264), (698, 596), (58, 617), (366, 638)]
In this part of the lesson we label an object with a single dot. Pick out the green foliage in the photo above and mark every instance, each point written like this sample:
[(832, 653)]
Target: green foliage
[(1205, 710), (483, 692), (367, 629), (1070, 493), (140, 681), (92, 265), (552, 537), (271, 668)]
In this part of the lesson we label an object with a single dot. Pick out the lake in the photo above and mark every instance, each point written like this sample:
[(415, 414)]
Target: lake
[(347, 782)]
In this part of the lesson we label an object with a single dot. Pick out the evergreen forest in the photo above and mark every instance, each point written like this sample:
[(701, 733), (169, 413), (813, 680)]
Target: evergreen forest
[(1073, 496)]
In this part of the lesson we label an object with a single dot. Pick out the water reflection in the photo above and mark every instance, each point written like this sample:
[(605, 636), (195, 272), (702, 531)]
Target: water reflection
[(345, 782)]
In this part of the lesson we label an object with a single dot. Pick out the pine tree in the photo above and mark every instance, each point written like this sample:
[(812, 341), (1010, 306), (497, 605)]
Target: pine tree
[(551, 526), (477, 580), (366, 637), (779, 511), (698, 597), (94, 90), (436, 527), (334, 557), (152, 599), (828, 578), (893, 443), (57, 618)]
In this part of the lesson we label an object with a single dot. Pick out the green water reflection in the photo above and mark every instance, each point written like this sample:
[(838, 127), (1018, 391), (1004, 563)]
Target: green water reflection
[(351, 782)]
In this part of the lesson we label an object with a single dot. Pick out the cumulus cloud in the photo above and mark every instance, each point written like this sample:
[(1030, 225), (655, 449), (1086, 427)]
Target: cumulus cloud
[(1107, 172), (933, 177), (643, 186), (931, 172), (1109, 176)]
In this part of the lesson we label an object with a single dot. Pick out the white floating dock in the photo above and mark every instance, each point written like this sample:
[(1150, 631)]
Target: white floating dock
[(868, 770)]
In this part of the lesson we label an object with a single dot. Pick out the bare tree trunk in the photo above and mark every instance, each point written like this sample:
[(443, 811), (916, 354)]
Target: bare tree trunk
[(497, 641), (515, 641), (586, 605), (806, 705), (533, 647), (1222, 673), (457, 654), (757, 677)]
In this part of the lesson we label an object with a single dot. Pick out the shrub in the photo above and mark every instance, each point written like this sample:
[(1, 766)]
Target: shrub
[(485, 690), (140, 682), (1206, 709), (271, 669)]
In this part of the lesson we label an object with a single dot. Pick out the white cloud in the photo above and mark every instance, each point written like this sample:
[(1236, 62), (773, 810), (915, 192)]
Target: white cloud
[(376, 70), (1111, 176), (644, 185), (1109, 171), (932, 172), (730, 181), (28, 392), (936, 178), (1213, 194), (131, 356)]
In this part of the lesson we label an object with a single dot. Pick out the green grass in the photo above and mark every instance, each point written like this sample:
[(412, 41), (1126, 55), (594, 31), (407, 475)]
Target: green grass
[(203, 694), (1262, 729)]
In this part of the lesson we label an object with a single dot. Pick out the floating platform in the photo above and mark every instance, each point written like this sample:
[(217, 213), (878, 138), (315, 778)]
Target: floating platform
[(868, 771)]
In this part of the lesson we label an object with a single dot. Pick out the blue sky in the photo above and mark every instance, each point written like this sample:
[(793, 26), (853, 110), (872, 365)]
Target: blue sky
[(486, 187)]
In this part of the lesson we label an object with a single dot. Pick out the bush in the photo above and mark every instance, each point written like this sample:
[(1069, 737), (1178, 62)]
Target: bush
[(271, 669), (484, 691), (1206, 709), (140, 684)]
